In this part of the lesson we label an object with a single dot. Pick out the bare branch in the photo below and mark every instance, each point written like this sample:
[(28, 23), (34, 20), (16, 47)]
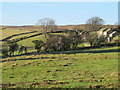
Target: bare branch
[(94, 22), (47, 24)]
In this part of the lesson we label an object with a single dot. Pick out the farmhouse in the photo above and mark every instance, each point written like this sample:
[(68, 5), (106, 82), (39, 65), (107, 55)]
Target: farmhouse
[(84, 35), (104, 31), (113, 34), (108, 32), (100, 32)]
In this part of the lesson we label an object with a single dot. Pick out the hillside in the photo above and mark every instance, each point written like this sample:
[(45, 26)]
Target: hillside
[(79, 68), (61, 27), (94, 68)]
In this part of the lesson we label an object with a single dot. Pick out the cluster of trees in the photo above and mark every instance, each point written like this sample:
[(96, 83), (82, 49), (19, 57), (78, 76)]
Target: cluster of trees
[(58, 43), (95, 40), (9, 48), (94, 23), (63, 43), (70, 40)]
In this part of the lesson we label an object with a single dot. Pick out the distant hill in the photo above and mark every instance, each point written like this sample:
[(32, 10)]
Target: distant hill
[(59, 27)]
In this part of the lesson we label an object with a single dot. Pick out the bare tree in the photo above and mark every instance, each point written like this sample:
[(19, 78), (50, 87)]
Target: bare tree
[(94, 23), (47, 24), (95, 40)]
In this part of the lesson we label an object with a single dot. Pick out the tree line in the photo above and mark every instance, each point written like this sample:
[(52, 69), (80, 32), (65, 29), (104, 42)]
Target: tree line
[(69, 40)]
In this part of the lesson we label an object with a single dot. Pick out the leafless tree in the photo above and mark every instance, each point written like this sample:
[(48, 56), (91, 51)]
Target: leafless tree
[(95, 40), (94, 23), (47, 24)]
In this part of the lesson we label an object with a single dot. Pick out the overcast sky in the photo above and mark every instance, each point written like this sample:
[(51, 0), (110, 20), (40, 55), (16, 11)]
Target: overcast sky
[(64, 13)]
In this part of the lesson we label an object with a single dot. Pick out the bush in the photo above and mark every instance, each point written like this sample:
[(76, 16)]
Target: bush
[(73, 38), (117, 42), (96, 41), (5, 51), (53, 44), (101, 40), (38, 44), (12, 46), (57, 43), (66, 43)]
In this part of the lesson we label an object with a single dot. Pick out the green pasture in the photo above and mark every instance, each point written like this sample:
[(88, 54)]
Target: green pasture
[(116, 38), (9, 32), (24, 35), (28, 42), (67, 69), (84, 68)]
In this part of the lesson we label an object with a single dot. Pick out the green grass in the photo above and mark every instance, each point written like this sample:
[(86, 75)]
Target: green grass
[(65, 69), (56, 34), (24, 35), (115, 38), (62, 70), (9, 32), (28, 42)]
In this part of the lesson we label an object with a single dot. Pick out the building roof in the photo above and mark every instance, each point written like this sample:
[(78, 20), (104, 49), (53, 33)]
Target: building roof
[(103, 29), (112, 33), (108, 30)]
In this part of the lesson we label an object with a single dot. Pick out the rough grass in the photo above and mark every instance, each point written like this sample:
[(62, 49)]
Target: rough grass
[(28, 42), (40, 37), (65, 70), (24, 35), (93, 68), (116, 38), (10, 31)]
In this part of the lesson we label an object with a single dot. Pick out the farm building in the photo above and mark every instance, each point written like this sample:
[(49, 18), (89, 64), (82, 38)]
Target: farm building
[(108, 32), (100, 32)]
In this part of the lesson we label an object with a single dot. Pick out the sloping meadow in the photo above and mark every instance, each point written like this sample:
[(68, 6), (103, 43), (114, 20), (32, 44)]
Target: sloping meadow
[(69, 69)]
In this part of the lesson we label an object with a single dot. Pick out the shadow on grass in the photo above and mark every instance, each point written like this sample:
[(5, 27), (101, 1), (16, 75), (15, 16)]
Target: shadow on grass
[(81, 50), (28, 59), (60, 52), (5, 39)]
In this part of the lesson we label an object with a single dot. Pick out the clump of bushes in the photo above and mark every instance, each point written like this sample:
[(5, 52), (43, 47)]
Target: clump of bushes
[(5, 51), (95, 40), (58, 43), (9, 47), (38, 44)]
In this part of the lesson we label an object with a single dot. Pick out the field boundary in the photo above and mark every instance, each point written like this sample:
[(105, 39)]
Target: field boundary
[(5, 39)]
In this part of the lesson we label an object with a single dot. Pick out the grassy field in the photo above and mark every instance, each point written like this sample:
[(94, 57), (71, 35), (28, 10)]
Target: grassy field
[(9, 32), (28, 42), (23, 35), (39, 37), (96, 68), (85, 68)]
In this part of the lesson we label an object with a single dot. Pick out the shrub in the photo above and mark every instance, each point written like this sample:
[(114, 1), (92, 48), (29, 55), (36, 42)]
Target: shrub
[(66, 43), (5, 51), (94, 40), (38, 44), (53, 44), (73, 38), (12, 46)]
